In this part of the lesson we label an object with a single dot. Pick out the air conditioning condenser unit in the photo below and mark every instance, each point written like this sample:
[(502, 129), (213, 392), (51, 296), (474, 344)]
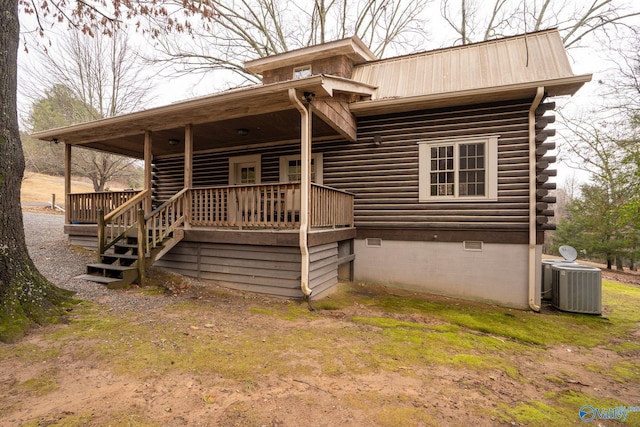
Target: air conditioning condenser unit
[(577, 288)]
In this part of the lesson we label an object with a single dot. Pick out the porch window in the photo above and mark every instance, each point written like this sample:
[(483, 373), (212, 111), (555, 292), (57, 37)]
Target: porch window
[(244, 170), (291, 168), (458, 169)]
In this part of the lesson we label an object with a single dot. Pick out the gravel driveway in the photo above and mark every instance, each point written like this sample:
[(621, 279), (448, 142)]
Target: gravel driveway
[(60, 263)]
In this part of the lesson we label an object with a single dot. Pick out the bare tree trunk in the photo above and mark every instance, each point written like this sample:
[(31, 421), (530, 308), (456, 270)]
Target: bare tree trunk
[(25, 295)]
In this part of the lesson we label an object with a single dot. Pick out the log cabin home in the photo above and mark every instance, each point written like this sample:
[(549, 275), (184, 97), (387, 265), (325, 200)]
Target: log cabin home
[(427, 172)]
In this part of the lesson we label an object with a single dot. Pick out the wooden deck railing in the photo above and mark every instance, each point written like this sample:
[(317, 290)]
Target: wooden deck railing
[(115, 225), (165, 219), (247, 206), (330, 207), (82, 208), (266, 206)]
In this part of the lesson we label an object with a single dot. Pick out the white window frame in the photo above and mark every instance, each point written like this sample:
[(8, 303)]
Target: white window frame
[(491, 169), (251, 158), (302, 72), (284, 164)]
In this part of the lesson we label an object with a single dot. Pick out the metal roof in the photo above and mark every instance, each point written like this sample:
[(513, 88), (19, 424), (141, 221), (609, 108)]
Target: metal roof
[(520, 60)]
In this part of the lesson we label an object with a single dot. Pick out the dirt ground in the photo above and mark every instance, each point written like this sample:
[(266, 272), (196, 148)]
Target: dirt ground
[(78, 386)]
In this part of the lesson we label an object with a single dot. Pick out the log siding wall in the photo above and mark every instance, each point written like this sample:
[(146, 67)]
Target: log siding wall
[(385, 177)]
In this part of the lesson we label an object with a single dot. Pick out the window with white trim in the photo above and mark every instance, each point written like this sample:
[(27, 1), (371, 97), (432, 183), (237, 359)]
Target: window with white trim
[(291, 168), (245, 169), (458, 169)]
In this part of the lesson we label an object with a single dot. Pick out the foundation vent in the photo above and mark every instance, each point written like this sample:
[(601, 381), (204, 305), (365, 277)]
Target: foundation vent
[(472, 245), (373, 242)]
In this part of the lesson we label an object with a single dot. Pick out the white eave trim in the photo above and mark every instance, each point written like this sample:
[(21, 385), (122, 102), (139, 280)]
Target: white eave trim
[(554, 87)]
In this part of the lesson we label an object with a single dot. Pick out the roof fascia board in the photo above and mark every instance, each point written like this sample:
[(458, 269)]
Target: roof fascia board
[(333, 84), (556, 87)]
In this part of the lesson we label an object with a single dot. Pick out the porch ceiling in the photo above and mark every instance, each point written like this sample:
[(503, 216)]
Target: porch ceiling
[(262, 128), (265, 111)]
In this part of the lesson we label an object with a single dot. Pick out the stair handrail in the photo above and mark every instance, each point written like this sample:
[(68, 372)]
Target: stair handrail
[(165, 219), (118, 219)]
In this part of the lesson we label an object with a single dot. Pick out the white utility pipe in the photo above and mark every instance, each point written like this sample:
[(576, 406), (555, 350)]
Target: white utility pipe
[(533, 265), (305, 188)]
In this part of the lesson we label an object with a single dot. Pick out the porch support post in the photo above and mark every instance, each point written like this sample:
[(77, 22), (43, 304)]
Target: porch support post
[(67, 182), (148, 158), (188, 171), (305, 187)]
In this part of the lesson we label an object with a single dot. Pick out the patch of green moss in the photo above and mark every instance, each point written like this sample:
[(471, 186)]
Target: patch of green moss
[(288, 312), (40, 386), (13, 326), (28, 352), (625, 371), (30, 299), (406, 343), (526, 326), (570, 402), (554, 379), (385, 322), (532, 413), (625, 347)]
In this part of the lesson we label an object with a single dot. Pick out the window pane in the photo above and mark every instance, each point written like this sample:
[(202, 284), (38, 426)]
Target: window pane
[(471, 170), (294, 170), (450, 151)]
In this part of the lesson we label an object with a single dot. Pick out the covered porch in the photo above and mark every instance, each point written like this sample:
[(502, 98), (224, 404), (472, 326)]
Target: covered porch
[(281, 228)]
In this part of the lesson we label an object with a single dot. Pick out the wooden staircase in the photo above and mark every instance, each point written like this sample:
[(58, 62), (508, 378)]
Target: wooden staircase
[(129, 240)]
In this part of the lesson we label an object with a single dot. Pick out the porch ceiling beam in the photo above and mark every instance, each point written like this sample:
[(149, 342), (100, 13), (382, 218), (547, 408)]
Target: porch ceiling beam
[(336, 113)]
